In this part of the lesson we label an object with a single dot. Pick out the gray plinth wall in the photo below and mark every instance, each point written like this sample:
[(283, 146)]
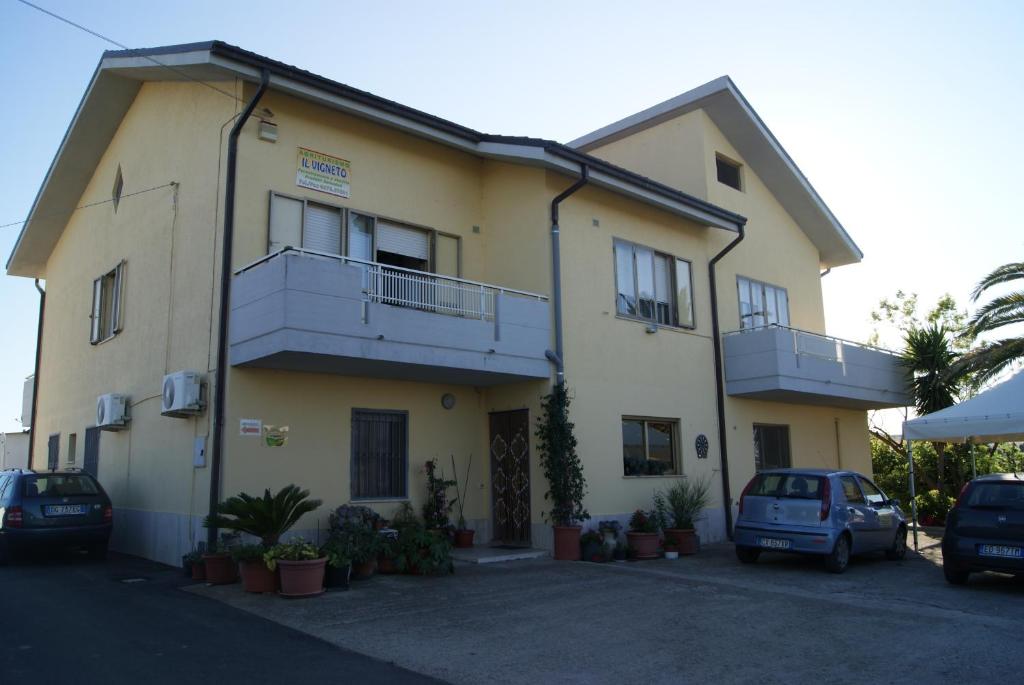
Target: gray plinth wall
[(308, 313), (787, 365)]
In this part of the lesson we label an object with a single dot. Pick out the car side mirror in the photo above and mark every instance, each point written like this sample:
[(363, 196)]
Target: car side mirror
[(894, 503)]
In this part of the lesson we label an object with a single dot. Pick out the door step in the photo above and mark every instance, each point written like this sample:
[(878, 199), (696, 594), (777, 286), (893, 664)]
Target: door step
[(482, 554)]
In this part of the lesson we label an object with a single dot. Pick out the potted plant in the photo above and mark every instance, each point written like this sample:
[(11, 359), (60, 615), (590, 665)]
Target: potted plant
[(684, 503), (387, 556), (302, 567), (463, 535), (437, 508), (196, 568), (671, 549), (339, 563), (592, 546), (256, 577), (621, 552), (610, 530), (564, 473), (220, 567), (422, 552), (643, 534), (357, 526), (267, 518)]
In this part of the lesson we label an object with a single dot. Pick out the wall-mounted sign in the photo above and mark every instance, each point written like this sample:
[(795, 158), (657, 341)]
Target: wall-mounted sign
[(250, 427), (318, 171), (702, 446), (275, 436)]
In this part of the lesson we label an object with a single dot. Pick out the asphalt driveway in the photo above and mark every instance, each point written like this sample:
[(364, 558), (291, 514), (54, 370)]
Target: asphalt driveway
[(699, 619)]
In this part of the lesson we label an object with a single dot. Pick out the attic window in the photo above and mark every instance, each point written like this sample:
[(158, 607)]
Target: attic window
[(728, 172), (115, 195)]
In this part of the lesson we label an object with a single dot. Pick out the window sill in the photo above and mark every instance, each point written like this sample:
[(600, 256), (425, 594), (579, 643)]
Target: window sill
[(107, 339), (388, 500), (659, 326), (665, 475)]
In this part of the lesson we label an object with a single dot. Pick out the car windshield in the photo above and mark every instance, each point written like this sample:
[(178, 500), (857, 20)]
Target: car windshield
[(1001, 495), (59, 485), (792, 485)]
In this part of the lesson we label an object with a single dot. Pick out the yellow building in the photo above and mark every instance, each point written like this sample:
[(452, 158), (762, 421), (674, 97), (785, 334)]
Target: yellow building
[(393, 298)]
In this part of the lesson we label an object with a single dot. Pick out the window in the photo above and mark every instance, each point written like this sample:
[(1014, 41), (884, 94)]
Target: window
[(771, 447), (308, 225), (728, 172), (115, 194), (652, 286), (851, 491), (791, 486), (107, 305), (72, 447), (761, 304), (649, 446), (53, 451), (379, 454), (59, 486), (871, 493)]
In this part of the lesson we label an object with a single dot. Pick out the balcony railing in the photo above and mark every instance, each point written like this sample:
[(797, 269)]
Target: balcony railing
[(398, 286), (817, 345)]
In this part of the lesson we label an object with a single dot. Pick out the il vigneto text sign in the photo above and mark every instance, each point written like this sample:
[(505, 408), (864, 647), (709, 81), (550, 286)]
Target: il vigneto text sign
[(325, 173)]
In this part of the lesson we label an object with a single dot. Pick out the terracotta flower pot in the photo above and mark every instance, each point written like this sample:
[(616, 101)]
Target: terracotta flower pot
[(364, 570), (302, 578), (644, 545), (567, 543), (685, 539), (256, 577), (198, 570), (386, 565), (464, 538), (220, 569)]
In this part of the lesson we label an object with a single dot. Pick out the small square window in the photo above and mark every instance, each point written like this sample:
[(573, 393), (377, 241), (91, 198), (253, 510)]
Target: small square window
[(118, 190), (728, 172)]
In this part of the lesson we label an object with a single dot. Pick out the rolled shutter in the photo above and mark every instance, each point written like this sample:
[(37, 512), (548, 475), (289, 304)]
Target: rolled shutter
[(402, 240), (321, 229), (97, 298)]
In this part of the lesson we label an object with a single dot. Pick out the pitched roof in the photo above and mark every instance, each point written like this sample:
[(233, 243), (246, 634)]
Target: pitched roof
[(121, 73), (729, 110)]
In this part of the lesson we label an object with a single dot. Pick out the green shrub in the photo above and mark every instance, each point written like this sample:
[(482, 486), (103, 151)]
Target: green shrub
[(932, 507)]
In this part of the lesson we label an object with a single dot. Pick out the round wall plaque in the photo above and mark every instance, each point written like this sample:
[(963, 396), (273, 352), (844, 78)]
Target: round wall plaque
[(447, 400), (702, 446)]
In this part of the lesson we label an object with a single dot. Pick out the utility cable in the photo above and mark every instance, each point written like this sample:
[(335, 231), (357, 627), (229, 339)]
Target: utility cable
[(91, 204)]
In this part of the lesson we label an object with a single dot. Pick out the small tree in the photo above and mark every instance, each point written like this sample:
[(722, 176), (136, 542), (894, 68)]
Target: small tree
[(558, 458)]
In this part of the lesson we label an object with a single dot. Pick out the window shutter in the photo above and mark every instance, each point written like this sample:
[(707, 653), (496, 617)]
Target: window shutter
[(97, 297), (321, 229), (401, 240), (285, 223), (117, 305)]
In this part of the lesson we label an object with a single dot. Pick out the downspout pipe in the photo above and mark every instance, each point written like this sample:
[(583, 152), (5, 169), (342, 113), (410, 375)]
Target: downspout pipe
[(716, 341), (35, 374), (558, 356), (220, 389)]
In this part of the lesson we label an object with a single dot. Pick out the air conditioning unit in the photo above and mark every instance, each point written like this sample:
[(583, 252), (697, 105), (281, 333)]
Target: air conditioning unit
[(112, 412), (182, 394)]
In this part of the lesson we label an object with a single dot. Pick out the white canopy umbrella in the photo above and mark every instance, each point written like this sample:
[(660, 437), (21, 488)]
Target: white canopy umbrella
[(996, 415)]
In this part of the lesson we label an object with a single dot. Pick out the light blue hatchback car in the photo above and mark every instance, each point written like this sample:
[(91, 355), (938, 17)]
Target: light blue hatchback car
[(833, 514)]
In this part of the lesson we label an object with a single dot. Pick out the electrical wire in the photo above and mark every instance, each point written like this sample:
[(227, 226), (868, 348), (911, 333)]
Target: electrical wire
[(125, 47), (91, 204)]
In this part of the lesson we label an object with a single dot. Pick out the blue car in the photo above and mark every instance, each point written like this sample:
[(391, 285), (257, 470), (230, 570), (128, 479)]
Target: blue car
[(829, 513)]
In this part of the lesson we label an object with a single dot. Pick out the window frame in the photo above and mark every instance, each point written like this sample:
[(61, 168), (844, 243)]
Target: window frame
[(760, 467), (673, 286), (405, 456), (728, 161), (346, 212), (96, 335), (764, 285), (677, 447)]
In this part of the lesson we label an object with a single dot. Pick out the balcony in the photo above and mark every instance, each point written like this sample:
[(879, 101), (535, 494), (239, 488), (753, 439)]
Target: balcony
[(307, 311), (788, 365)]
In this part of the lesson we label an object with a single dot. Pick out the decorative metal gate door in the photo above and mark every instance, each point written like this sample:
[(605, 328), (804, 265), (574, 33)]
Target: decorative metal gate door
[(510, 476)]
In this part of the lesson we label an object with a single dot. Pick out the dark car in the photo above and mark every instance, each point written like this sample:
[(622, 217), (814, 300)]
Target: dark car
[(53, 509), (985, 529)]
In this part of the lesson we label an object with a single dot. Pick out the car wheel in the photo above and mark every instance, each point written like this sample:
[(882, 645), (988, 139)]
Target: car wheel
[(954, 575), (98, 552), (839, 558), (748, 555), (899, 546)]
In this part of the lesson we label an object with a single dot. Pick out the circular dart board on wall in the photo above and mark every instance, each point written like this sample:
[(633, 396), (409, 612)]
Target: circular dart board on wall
[(701, 443)]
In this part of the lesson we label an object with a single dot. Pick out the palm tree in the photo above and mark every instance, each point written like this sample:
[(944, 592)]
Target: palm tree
[(991, 358), (929, 358)]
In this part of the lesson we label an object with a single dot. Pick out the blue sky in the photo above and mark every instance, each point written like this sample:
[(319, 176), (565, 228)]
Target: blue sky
[(904, 116)]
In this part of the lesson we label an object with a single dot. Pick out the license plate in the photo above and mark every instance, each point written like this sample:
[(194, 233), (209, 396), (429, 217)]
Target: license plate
[(64, 509), (773, 543), (1001, 551)]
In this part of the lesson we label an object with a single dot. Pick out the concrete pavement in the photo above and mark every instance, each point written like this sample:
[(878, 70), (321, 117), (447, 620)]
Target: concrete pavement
[(699, 619)]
